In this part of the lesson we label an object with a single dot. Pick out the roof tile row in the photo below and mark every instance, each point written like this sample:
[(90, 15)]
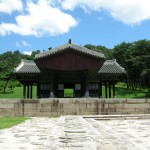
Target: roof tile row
[(111, 67), (69, 46), (27, 66)]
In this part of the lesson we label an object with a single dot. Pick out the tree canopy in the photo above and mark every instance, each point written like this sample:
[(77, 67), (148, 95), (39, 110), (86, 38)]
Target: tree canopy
[(102, 49), (135, 58), (10, 60)]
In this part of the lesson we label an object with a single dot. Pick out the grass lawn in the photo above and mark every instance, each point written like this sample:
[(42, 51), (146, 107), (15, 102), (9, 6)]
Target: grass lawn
[(68, 92), (121, 92), (7, 122), (16, 93)]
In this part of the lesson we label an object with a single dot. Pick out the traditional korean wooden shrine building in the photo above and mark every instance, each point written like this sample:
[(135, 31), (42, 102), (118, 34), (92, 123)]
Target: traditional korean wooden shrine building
[(69, 67)]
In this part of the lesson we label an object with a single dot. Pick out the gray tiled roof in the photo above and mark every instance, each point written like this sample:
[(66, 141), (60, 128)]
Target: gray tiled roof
[(27, 66), (111, 67), (70, 46)]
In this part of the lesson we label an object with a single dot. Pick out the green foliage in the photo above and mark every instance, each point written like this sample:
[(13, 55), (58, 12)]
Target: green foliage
[(135, 58), (107, 52), (8, 61), (7, 122)]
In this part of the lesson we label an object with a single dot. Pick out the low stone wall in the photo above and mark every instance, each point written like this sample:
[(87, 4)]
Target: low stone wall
[(73, 106)]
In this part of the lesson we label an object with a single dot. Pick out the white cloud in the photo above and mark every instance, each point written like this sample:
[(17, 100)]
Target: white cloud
[(41, 19), (26, 44), (128, 11), (22, 44), (27, 52), (8, 6)]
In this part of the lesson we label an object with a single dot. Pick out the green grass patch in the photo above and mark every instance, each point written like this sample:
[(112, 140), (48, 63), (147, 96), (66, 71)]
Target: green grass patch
[(7, 122), (17, 92), (68, 92), (121, 92)]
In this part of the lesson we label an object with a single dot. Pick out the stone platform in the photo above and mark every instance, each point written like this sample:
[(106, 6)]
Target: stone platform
[(56, 107), (125, 132)]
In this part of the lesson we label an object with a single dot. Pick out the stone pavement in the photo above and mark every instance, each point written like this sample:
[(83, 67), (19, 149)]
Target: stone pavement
[(78, 133)]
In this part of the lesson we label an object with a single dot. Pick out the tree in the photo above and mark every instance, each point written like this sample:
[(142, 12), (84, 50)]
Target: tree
[(135, 58), (107, 52), (34, 53), (8, 61)]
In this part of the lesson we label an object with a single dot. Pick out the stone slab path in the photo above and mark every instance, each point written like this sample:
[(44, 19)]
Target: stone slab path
[(77, 133)]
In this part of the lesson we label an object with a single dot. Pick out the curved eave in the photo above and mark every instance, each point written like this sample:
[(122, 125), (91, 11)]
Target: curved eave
[(26, 72), (118, 72), (112, 73)]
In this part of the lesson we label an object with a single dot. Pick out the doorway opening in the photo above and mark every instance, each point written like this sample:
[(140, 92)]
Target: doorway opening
[(68, 92)]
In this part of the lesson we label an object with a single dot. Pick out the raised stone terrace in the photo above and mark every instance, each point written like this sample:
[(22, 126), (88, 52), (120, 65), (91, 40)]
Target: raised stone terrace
[(119, 132), (73, 106)]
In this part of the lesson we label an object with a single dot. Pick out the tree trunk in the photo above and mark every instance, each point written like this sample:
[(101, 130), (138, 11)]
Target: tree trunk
[(5, 85)]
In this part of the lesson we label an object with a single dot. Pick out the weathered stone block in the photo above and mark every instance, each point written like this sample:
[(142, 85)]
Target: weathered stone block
[(129, 111), (53, 114), (2, 111), (46, 105), (105, 106), (72, 106), (139, 110), (111, 106), (9, 112), (135, 101), (45, 109), (110, 101), (7, 105), (119, 105), (81, 106), (30, 105), (147, 100), (138, 105), (119, 110), (30, 114)]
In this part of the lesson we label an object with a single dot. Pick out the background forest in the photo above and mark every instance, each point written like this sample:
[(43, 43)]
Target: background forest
[(134, 57)]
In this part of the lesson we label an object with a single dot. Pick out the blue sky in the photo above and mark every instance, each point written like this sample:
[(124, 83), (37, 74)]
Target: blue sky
[(28, 25)]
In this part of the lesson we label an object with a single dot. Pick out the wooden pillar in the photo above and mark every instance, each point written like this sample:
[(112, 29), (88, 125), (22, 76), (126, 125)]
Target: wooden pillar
[(109, 89), (82, 84), (52, 85), (31, 91), (24, 90), (86, 85), (100, 88), (105, 89), (113, 88), (28, 90), (38, 89)]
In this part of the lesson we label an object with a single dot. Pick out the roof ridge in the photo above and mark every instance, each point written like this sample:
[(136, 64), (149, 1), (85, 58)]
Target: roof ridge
[(19, 66), (27, 66), (111, 66), (72, 46)]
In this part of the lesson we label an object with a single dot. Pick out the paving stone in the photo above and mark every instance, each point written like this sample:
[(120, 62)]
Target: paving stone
[(78, 133)]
